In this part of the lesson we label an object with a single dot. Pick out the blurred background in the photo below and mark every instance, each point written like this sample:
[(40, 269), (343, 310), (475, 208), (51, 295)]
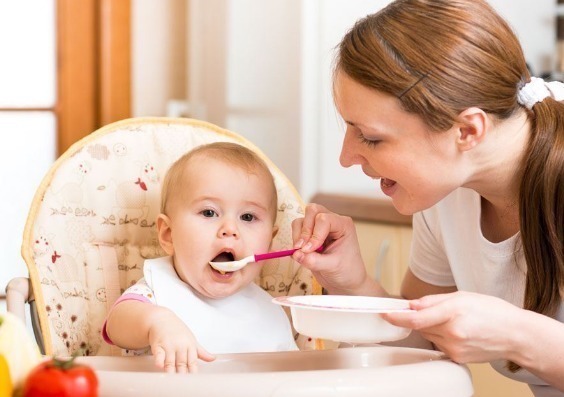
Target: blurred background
[(259, 68)]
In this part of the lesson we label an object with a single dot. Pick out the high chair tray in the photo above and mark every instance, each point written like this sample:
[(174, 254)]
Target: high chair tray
[(350, 372)]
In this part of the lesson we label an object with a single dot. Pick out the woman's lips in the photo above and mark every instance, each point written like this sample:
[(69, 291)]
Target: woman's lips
[(388, 186)]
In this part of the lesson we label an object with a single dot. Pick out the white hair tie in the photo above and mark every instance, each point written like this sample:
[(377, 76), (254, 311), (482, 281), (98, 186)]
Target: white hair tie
[(537, 90)]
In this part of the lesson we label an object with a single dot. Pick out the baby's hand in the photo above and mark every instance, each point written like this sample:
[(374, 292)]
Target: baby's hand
[(174, 346)]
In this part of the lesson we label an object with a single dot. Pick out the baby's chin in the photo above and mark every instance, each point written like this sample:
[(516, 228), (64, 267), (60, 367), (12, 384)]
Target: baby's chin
[(219, 291)]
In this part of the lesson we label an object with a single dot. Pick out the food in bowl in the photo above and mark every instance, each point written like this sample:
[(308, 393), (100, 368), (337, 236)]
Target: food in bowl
[(350, 319)]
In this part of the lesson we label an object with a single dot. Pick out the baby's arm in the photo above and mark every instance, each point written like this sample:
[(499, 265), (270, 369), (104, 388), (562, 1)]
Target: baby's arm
[(136, 324)]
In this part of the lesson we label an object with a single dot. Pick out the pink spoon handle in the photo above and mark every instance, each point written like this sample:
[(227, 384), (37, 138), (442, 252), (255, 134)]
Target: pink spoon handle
[(278, 254), (272, 255)]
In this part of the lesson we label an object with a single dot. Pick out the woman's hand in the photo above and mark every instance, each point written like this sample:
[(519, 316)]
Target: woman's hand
[(173, 345), (468, 327), (339, 268)]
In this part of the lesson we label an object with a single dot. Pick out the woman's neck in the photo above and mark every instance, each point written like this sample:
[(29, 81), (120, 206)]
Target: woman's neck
[(497, 162), (497, 176)]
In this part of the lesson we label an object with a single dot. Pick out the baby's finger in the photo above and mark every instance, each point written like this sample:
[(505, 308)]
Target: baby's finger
[(170, 361), (181, 361), (158, 356), (203, 354), (192, 360)]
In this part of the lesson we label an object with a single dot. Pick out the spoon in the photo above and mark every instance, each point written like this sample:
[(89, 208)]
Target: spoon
[(236, 265)]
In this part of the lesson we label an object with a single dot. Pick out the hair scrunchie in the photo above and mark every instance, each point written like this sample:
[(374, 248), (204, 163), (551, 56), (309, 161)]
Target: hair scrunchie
[(537, 90)]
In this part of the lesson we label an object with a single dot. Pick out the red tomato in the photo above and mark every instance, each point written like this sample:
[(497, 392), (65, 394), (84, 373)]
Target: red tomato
[(57, 378)]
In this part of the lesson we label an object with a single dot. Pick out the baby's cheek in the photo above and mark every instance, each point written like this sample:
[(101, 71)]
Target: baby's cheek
[(252, 271)]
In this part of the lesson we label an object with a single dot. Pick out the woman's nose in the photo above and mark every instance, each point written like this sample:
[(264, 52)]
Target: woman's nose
[(348, 156)]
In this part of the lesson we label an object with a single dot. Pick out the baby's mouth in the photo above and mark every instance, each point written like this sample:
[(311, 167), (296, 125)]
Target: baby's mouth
[(223, 257)]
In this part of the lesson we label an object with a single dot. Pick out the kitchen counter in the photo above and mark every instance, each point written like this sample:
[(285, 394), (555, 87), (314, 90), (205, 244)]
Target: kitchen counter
[(362, 208)]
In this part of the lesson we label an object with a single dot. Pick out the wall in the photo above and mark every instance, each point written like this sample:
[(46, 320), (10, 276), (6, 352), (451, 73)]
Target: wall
[(158, 30), (534, 23), (263, 69), (244, 72)]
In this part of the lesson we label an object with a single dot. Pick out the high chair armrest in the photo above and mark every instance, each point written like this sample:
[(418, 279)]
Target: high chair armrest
[(17, 295)]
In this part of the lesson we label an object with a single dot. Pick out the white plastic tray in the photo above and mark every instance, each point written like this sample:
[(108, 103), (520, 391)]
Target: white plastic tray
[(350, 372)]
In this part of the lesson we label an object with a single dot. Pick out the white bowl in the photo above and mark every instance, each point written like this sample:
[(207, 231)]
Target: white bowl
[(351, 319)]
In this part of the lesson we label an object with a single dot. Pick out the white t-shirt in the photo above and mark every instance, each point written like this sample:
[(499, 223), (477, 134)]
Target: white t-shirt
[(449, 249)]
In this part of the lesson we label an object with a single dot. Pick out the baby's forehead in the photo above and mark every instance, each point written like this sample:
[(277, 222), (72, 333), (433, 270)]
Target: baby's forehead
[(198, 166), (204, 171), (200, 162)]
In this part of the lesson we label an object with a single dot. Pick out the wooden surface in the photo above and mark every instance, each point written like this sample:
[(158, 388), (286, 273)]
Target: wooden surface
[(362, 208), (76, 71), (93, 66), (114, 60)]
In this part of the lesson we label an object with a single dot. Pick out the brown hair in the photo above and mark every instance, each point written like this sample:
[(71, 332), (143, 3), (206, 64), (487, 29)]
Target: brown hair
[(440, 57), (227, 152)]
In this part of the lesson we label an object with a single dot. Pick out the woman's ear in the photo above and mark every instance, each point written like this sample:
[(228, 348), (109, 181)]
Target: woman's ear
[(474, 124), (165, 234)]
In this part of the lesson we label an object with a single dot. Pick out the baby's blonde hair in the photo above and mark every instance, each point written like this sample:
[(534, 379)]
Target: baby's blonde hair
[(227, 152)]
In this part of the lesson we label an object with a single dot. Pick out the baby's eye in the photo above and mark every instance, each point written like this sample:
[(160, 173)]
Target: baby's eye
[(208, 213), (247, 217)]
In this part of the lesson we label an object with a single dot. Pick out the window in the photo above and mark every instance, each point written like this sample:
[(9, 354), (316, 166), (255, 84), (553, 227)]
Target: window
[(27, 117)]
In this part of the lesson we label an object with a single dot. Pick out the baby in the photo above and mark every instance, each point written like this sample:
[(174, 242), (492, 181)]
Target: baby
[(218, 203)]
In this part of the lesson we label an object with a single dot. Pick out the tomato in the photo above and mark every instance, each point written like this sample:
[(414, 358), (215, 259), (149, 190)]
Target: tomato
[(58, 378)]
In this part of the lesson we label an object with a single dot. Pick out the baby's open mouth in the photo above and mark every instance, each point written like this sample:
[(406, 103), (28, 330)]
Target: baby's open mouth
[(223, 257)]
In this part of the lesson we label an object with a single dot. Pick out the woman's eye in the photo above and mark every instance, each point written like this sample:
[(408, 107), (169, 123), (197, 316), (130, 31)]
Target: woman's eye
[(208, 213), (247, 217), (360, 136), (368, 142)]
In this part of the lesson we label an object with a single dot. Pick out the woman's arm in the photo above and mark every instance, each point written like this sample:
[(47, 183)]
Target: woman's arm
[(413, 288), (472, 327), (539, 346)]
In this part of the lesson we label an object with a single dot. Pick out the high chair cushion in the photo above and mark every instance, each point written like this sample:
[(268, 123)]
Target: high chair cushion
[(92, 224)]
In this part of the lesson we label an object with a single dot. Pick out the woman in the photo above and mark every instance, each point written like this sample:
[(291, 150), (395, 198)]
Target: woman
[(439, 105)]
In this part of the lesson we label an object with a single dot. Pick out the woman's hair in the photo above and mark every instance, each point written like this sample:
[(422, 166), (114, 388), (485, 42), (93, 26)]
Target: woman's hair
[(440, 57), (229, 153)]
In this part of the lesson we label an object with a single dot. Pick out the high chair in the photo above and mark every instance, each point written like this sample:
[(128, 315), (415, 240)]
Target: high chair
[(92, 224)]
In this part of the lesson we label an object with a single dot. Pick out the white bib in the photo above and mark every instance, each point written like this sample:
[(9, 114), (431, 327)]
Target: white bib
[(244, 322)]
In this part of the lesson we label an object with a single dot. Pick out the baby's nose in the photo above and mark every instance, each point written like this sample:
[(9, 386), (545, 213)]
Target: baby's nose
[(228, 229)]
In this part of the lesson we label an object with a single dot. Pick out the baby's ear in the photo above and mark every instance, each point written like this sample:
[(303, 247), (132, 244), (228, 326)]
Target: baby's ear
[(274, 231), (165, 234)]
